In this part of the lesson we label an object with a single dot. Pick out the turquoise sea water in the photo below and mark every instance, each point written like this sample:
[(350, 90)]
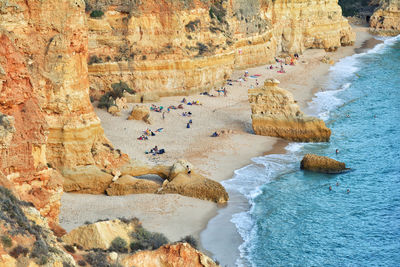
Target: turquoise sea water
[(294, 219)]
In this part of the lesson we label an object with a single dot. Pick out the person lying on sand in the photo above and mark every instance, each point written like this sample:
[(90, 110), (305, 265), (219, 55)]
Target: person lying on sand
[(215, 134)]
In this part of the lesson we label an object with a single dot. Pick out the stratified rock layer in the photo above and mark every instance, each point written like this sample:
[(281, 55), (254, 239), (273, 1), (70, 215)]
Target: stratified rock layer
[(275, 113), (178, 47), (322, 164), (386, 18)]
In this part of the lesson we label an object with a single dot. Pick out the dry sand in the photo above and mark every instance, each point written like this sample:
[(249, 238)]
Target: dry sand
[(217, 158)]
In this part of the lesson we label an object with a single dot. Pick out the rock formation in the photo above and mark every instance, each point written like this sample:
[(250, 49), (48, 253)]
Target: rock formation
[(386, 18), (130, 185), (181, 254), (140, 113), (275, 113), (178, 47), (100, 234), (322, 164)]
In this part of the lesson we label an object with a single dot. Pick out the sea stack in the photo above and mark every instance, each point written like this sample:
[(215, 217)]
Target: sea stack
[(276, 113)]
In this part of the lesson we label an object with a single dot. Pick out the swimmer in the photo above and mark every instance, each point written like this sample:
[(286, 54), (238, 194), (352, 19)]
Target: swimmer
[(348, 191), (347, 116), (337, 184), (337, 151), (330, 188)]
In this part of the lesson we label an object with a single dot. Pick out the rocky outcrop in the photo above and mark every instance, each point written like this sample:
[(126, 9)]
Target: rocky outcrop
[(127, 185), (386, 18), (86, 179), (322, 164), (181, 254), (140, 113), (276, 113), (185, 181), (179, 47), (101, 234)]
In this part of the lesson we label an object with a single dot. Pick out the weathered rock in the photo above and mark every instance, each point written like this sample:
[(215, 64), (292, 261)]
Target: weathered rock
[(177, 47), (114, 110), (121, 103), (195, 185), (386, 18), (86, 179), (100, 234), (180, 167), (129, 185), (139, 113), (275, 113), (178, 255), (23, 132), (322, 164)]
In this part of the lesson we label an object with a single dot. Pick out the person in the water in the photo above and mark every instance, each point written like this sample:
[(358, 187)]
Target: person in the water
[(330, 188), (348, 191), (337, 151)]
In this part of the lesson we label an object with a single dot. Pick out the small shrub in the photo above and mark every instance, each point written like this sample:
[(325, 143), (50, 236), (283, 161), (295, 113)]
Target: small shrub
[(82, 263), (144, 239), (87, 222), (190, 240), (192, 26), (94, 60), (18, 250), (42, 260), (69, 248), (6, 240), (98, 259), (202, 48), (119, 245), (96, 14), (40, 249), (125, 220)]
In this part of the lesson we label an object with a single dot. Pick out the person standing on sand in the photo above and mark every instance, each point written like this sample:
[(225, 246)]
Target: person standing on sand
[(189, 171), (163, 115)]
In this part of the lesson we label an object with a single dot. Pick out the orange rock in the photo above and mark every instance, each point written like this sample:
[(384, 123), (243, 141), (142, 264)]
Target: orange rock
[(178, 255), (386, 18)]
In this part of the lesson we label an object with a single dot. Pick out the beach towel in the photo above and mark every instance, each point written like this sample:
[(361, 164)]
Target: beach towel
[(257, 75), (253, 77)]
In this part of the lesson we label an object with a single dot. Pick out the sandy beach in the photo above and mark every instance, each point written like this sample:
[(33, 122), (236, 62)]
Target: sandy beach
[(216, 158)]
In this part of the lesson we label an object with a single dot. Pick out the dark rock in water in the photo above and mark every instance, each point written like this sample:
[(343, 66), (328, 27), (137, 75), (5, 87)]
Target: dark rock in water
[(322, 164)]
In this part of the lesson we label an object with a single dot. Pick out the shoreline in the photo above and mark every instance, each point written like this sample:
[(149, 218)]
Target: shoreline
[(364, 42), (217, 158)]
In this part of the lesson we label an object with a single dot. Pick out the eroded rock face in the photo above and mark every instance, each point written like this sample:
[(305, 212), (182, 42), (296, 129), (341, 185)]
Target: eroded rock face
[(44, 88), (275, 113), (181, 254), (322, 164), (386, 18), (141, 113), (130, 185), (178, 47), (23, 131)]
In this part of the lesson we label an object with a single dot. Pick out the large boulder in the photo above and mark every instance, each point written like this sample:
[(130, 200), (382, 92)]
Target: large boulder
[(86, 179), (322, 164), (100, 234), (276, 113), (180, 167), (130, 185), (140, 113), (195, 185)]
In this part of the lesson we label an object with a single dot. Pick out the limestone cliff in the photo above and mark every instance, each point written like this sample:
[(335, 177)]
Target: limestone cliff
[(275, 113), (44, 91), (177, 47), (386, 18)]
